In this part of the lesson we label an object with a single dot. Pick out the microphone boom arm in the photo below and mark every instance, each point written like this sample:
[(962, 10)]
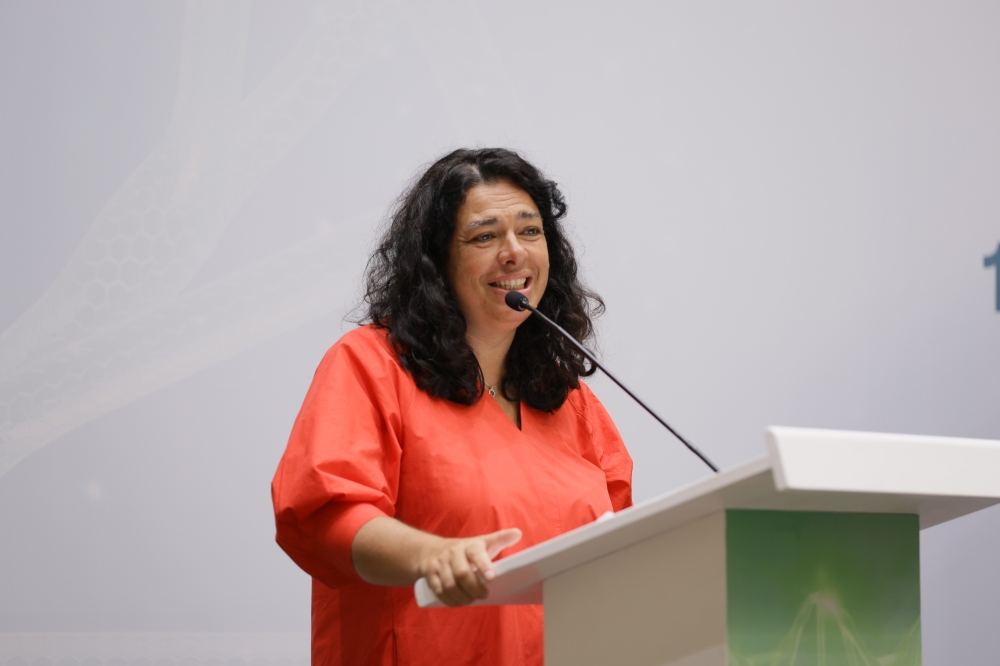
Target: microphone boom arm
[(522, 304)]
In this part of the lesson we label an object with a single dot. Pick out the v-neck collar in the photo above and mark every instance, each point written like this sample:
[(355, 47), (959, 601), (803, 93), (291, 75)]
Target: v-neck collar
[(498, 411)]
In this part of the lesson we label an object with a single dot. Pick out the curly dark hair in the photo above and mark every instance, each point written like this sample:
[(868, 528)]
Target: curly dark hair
[(407, 291)]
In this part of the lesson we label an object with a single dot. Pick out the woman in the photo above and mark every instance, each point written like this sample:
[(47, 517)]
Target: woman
[(451, 428)]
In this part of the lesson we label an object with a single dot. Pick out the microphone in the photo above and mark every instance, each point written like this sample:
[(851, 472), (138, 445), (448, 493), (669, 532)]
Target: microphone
[(515, 300)]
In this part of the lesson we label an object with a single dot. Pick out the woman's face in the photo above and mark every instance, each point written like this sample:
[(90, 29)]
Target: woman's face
[(498, 246)]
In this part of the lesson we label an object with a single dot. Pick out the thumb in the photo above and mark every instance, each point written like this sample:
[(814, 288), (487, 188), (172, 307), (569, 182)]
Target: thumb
[(497, 541)]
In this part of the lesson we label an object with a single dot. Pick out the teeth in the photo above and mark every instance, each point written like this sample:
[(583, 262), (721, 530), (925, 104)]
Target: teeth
[(510, 285)]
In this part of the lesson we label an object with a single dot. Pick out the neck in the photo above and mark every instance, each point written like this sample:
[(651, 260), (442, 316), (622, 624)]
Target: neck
[(491, 352)]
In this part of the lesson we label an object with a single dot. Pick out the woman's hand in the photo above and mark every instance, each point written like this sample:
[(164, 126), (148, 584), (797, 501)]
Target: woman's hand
[(457, 570), (388, 552)]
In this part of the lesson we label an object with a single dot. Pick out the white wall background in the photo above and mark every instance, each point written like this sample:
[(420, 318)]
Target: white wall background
[(785, 205)]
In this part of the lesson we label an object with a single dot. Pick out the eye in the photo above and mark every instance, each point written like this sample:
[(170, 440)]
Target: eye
[(482, 238), (533, 231)]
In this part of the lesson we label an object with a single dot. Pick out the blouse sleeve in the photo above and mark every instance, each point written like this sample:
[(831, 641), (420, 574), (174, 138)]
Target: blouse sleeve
[(614, 457), (341, 466)]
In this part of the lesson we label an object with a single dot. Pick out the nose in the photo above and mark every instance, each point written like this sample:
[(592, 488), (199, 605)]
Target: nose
[(511, 252)]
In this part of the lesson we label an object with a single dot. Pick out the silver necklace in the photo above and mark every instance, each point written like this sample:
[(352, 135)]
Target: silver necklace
[(491, 388)]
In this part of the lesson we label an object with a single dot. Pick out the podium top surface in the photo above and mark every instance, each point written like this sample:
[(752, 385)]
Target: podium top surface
[(936, 478)]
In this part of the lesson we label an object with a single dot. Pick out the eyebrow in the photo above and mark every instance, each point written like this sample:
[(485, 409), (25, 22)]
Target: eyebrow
[(486, 221)]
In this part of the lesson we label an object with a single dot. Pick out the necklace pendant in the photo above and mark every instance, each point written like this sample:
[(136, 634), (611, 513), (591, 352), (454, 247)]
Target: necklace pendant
[(492, 390)]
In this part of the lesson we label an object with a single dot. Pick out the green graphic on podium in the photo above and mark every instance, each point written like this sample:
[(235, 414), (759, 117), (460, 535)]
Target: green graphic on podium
[(822, 589)]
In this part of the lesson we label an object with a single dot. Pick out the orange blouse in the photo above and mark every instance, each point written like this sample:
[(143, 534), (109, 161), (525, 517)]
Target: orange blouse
[(369, 443)]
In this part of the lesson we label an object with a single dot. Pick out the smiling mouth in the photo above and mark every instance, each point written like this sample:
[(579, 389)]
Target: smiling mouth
[(511, 285)]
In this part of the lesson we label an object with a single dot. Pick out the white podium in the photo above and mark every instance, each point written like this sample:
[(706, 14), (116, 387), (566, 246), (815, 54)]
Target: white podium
[(808, 555)]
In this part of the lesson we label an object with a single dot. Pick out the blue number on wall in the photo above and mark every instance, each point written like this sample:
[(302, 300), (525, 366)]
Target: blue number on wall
[(994, 260)]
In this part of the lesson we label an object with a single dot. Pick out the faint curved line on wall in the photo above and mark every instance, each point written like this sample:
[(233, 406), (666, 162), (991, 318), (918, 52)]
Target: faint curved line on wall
[(189, 333), (114, 325)]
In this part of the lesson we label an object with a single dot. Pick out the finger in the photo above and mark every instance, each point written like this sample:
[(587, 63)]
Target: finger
[(465, 574), (480, 560), (447, 579), (434, 581), (452, 594), (456, 596), (497, 541)]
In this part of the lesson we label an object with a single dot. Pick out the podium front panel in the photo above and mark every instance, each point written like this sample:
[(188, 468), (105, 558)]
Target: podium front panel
[(660, 601), (746, 588)]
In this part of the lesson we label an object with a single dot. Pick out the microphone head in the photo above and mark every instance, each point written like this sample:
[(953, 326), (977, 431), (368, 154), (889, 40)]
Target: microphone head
[(515, 300)]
